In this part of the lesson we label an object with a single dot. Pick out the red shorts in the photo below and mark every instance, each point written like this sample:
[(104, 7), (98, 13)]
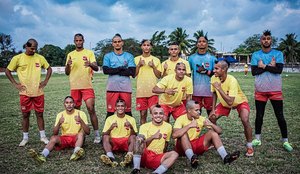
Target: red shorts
[(112, 97), (79, 94), (146, 102), (119, 144), (205, 102), (224, 111), (66, 141), (197, 146), (150, 159), (175, 111), (264, 96), (29, 103)]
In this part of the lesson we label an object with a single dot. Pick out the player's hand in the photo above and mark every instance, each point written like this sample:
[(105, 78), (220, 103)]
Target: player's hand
[(78, 118), (42, 84), (207, 122), (157, 135), (62, 119), (127, 124), (69, 63), (200, 69), (141, 62), (261, 64), (217, 85), (20, 87), (115, 124), (87, 63), (165, 66), (171, 91), (193, 124), (151, 64), (273, 62)]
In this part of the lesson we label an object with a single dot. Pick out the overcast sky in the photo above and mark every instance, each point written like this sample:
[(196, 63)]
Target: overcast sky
[(228, 22)]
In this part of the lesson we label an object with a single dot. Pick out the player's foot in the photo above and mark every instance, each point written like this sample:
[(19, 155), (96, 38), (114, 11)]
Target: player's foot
[(194, 161), (75, 156), (287, 146), (256, 142), (250, 152), (23, 142), (37, 157), (229, 158), (45, 140), (97, 140), (109, 161), (127, 160), (135, 171)]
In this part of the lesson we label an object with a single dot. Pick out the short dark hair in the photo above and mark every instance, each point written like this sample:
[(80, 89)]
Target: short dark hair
[(78, 35), (173, 43), (146, 40), (29, 43), (117, 35), (179, 63), (205, 37), (267, 33), (69, 97), (120, 100)]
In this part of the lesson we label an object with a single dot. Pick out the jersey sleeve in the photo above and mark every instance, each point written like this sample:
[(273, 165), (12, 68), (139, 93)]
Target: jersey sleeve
[(131, 61), (133, 123), (13, 64), (212, 88), (189, 86), (178, 124), (163, 83), (44, 63), (169, 133), (57, 118), (83, 117), (233, 89), (279, 58), (92, 56), (143, 130), (106, 61), (254, 59), (107, 124)]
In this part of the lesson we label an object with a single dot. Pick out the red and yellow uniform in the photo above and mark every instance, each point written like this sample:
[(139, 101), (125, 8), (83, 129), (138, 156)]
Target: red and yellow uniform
[(29, 72), (172, 65), (154, 152), (193, 134), (80, 76)]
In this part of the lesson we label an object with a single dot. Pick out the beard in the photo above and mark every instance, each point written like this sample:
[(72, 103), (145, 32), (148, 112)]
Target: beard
[(266, 46)]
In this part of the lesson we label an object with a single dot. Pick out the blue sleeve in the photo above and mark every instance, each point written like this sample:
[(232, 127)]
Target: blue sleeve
[(106, 61), (190, 62), (254, 60), (131, 60), (279, 58)]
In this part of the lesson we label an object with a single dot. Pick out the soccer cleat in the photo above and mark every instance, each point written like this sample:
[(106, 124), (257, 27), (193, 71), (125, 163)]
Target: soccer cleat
[(23, 142), (287, 146), (135, 171), (109, 161), (127, 160), (256, 142), (250, 152), (75, 156), (45, 140), (97, 140), (194, 161), (37, 157), (229, 158)]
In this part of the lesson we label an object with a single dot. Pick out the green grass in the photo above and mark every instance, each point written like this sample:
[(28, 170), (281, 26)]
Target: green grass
[(269, 158)]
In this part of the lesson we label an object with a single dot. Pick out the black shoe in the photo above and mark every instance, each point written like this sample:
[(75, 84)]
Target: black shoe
[(229, 158), (194, 161), (135, 171)]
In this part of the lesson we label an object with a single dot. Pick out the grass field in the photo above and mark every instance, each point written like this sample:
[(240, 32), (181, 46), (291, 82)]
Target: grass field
[(269, 158)]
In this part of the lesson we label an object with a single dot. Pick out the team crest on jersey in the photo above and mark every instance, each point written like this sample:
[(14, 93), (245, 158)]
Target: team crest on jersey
[(109, 107), (197, 129), (206, 65), (23, 108), (138, 105), (165, 136), (84, 58), (37, 65)]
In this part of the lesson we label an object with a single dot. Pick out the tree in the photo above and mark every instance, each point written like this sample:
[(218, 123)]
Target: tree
[(210, 42), (69, 48), (7, 49), (179, 36), (159, 48), (53, 54), (290, 48)]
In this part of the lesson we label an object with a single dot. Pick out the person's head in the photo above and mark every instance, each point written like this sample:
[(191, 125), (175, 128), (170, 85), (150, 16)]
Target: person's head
[(117, 42), (202, 44), (157, 113), (78, 41), (146, 46), (30, 47), (180, 70), (193, 109), (221, 68), (120, 107), (174, 49), (266, 39), (69, 104)]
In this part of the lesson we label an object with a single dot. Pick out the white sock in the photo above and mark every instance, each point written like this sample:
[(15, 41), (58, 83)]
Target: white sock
[(42, 134), (137, 161), (76, 149), (249, 144), (45, 152), (222, 152), (257, 136), (25, 135), (189, 153), (284, 140), (96, 132), (110, 154), (161, 169)]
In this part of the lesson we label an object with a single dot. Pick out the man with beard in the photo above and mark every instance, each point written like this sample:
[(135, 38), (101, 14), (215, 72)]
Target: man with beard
[(119, 65), (151, 144), (148, 71), (172, 88), (202, 65), (79, 64), (73, 125), (227, 89), (267, 66), (28, 66), (187, 129), (118, 135)]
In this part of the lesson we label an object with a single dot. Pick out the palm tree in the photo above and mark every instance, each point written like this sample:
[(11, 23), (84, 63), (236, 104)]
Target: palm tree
[(179, 36), (159, 48), (210, 42), (290, 48)]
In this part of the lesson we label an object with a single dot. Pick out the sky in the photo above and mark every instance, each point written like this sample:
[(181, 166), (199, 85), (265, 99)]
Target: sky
[(228, 22)]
